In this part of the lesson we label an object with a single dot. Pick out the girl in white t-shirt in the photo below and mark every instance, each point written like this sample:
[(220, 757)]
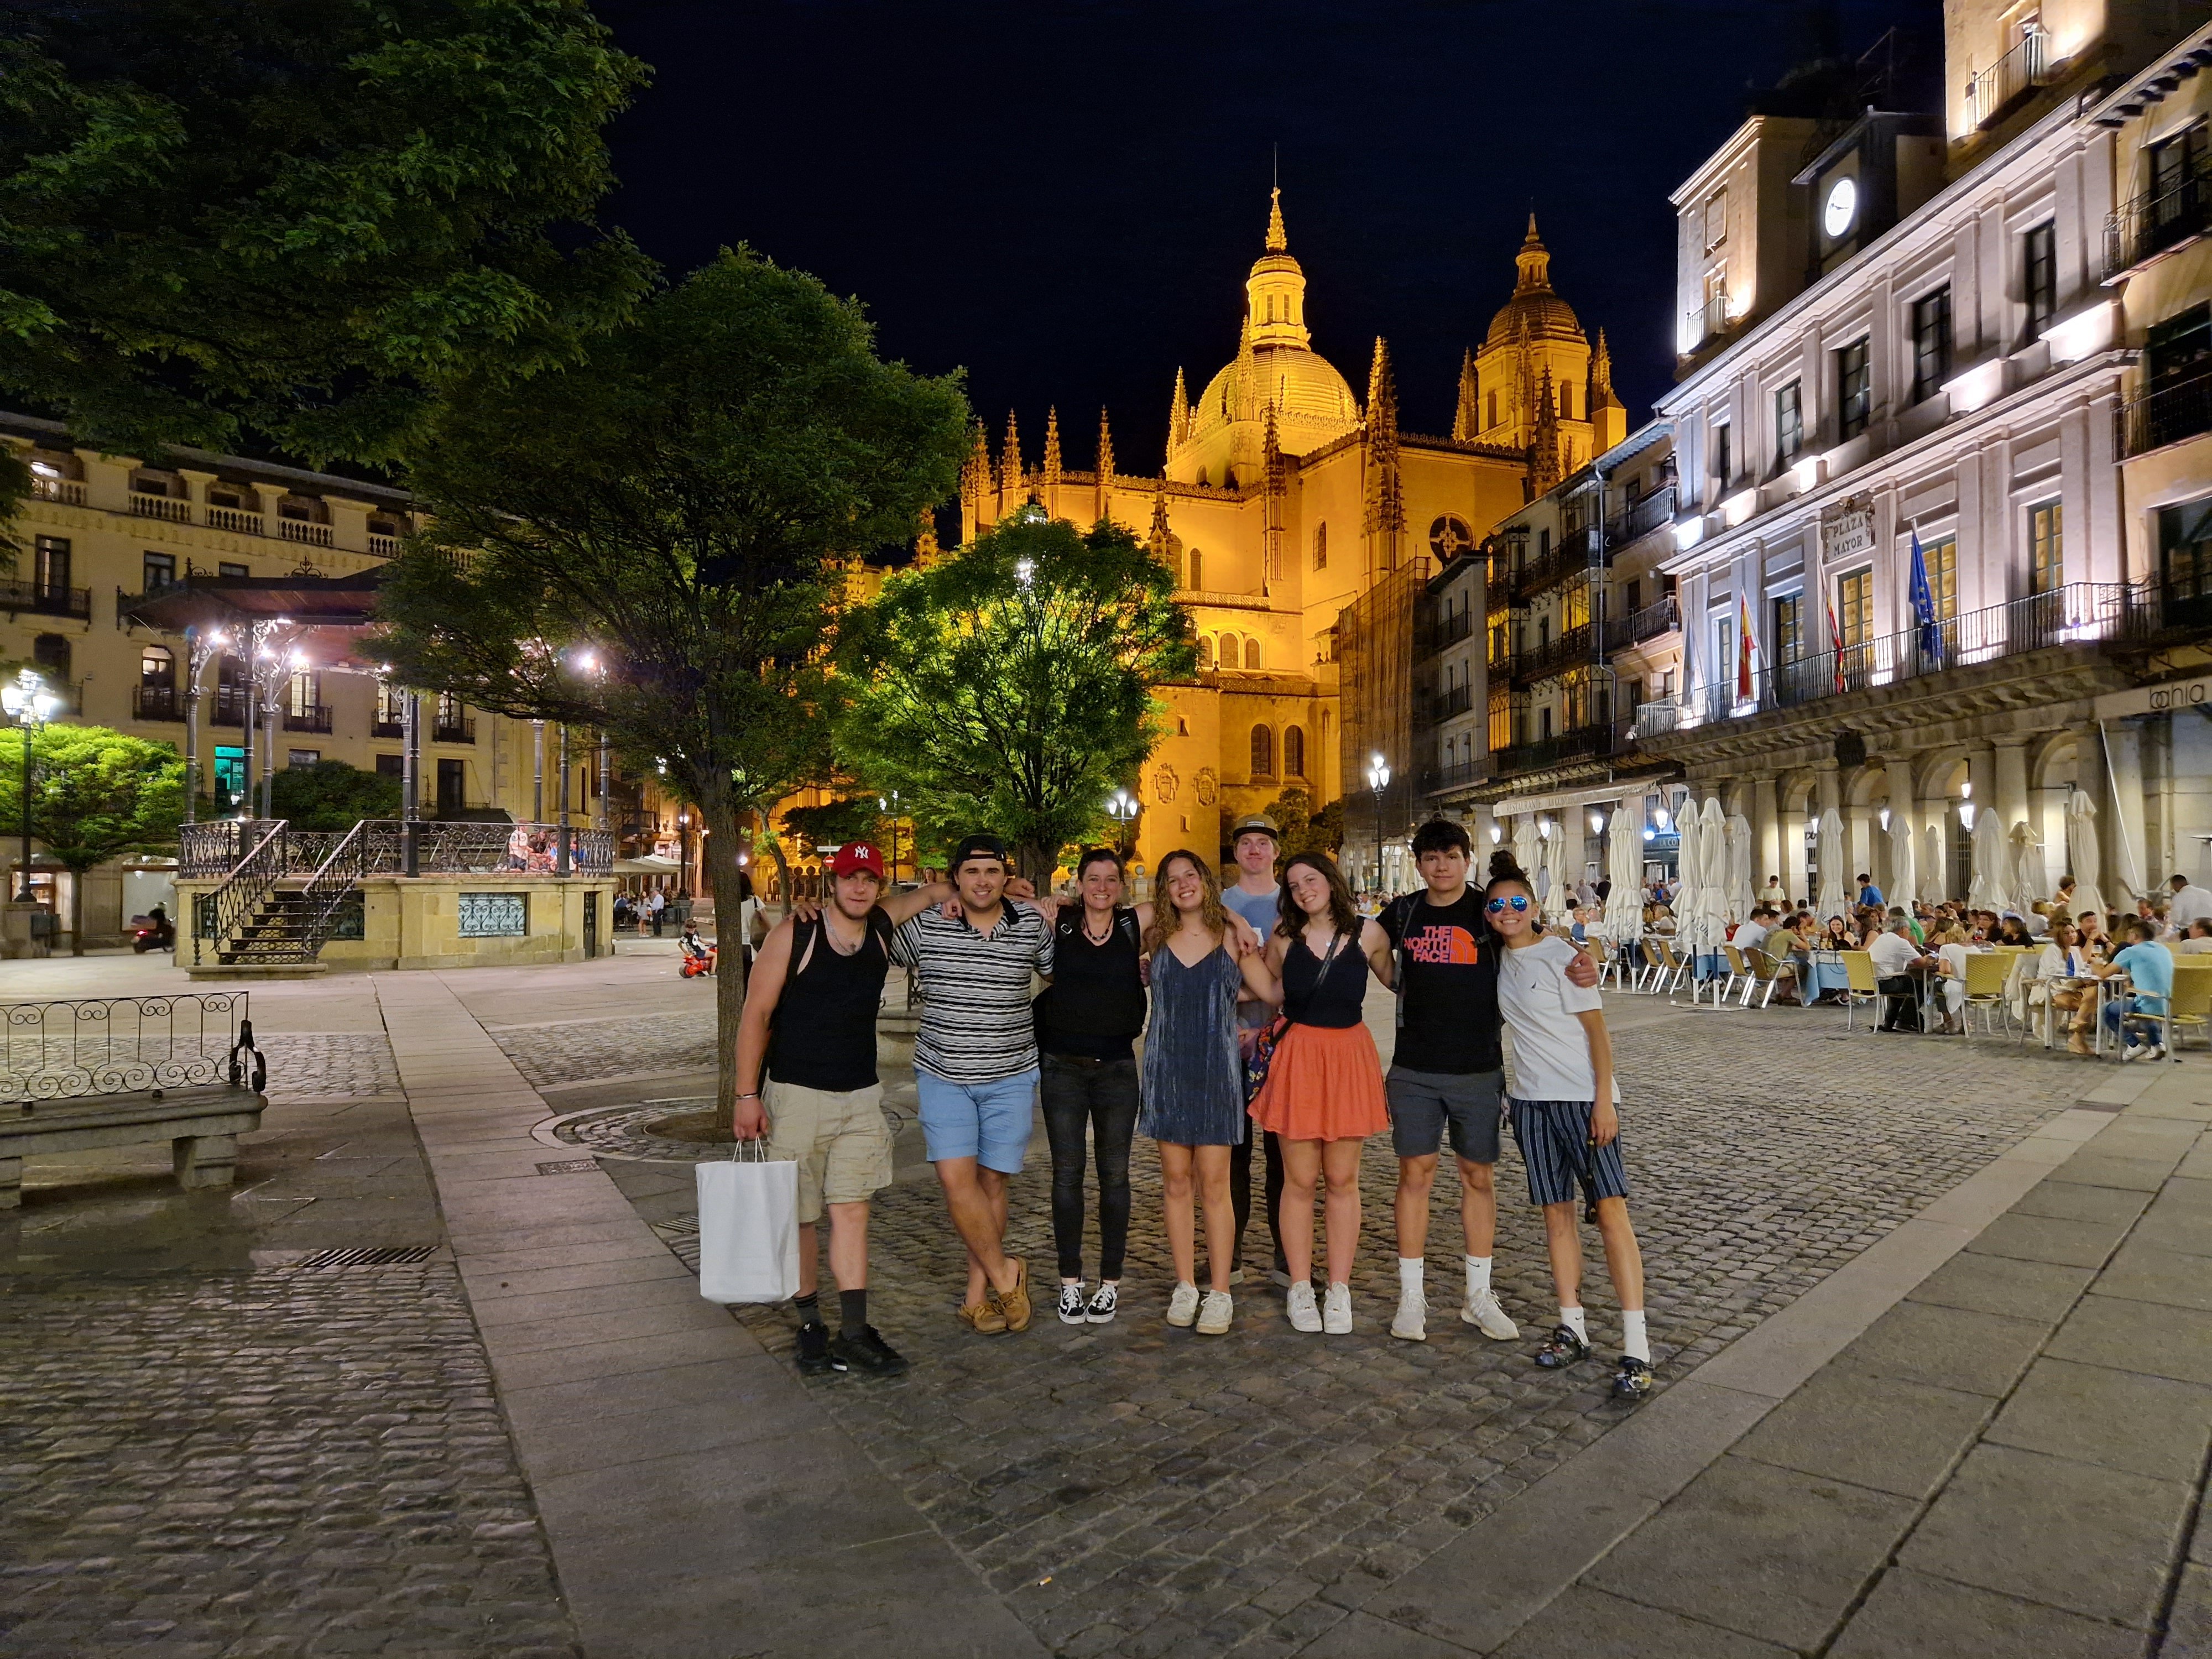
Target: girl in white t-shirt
[(1564, 1109)]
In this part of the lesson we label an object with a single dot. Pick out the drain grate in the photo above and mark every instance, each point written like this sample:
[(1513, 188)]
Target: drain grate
[(569, 1166), (385, 1255)]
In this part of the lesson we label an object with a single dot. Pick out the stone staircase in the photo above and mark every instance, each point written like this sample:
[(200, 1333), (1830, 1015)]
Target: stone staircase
[(279, 930)]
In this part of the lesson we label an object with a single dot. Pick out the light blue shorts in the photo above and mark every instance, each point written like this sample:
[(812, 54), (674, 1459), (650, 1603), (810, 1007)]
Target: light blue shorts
[(988, 1121)]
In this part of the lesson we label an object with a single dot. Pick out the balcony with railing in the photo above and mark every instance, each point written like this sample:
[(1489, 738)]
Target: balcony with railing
[(1577, 743), (309, 717), (1641, 517), (380, 727), (169, 509), (1569, 559), (2080, 613), (1553, 656), (306, 530), (2165, 414), (1648, 623), (69, 492), (1460, 774), (1441, 631), (46, 599), (2012, 77), (227, 705), (386, 547), (1457, 700), (243, 520), (1710, 320), (454, 728), (157, 702), (2145, 226)]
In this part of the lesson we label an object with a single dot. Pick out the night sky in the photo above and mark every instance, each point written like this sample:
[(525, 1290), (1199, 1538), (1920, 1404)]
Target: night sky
[(1063, 198)]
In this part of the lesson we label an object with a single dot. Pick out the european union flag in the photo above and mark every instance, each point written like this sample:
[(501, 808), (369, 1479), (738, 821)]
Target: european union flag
[(1924, 607)]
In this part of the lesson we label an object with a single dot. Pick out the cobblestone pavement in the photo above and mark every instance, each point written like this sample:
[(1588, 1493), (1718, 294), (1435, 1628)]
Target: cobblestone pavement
[(1134, 1490), (582, 1051), (332, 1066)]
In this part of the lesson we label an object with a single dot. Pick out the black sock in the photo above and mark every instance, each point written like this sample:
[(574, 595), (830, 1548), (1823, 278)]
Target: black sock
[(851, 1313), (810, 1308)]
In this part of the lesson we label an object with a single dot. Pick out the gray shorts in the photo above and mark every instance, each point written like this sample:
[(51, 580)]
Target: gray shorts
[(1422, 1102)]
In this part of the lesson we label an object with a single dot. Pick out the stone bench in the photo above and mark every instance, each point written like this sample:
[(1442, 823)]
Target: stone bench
[(202, 1125)]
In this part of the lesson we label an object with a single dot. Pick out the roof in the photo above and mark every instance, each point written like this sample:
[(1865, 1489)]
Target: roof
[(215, 601), (56, 434)]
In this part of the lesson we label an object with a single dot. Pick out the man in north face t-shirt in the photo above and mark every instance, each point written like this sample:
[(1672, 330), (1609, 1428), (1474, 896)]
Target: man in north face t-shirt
[(1447, 1070)]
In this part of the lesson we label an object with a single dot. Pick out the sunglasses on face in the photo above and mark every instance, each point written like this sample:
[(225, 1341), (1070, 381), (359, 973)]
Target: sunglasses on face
[(1515, 902)]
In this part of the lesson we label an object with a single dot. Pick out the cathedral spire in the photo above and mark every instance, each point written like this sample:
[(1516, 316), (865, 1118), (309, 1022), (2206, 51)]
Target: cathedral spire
[(1051, 446), (1103, 508), (926, 549), (1466, 418), (1544, 469), (1275, 485), (1278, 241), (1601, 392), (1159, 541), (1010, 466), (1534, 261), (975, 480), (1386, 506), (1178, 415), (1247, 386)]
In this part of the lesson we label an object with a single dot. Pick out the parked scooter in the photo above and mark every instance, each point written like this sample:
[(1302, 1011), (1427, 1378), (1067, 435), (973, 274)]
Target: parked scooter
[(153, 933)]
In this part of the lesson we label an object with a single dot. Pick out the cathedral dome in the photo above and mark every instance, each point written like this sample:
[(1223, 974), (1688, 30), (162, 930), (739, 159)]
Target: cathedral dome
[(1533, 305)]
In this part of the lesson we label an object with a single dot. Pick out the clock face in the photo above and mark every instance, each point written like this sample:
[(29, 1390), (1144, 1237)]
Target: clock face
[(1841, 207)]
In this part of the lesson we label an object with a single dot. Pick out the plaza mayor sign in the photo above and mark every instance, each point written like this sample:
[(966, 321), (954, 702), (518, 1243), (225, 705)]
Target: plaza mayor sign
[(1847, 528)]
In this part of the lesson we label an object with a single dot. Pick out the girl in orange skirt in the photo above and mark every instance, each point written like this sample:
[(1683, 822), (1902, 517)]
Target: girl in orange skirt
[(1323, 1096)]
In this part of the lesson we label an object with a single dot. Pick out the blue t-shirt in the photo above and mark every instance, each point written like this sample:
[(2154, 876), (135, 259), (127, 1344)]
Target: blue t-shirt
[(1871, 894), (2150, 971), (1261, 909)]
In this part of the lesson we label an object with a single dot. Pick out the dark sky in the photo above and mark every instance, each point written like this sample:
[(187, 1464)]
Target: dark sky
[(1063, 197)]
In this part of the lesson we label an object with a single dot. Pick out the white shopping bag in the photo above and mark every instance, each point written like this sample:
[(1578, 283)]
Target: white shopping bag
[(749, 1227)]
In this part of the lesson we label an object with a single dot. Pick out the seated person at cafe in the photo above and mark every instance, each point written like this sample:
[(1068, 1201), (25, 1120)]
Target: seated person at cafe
[(1897, 958), (2199, 941), (2149, 967)]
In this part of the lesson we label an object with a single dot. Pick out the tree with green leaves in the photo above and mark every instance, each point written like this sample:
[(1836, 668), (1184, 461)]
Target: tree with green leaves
[(651, 542), (332, 795), (95, 795), (298, 220), (837, 822), (1303, 828), (1009, 686)]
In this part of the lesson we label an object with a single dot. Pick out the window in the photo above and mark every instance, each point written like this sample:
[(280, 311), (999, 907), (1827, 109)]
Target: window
[(1635, 696), (156, 572), (495, 915), (51, 653), (230, 775), (51, 566), (2175, 349), (1942, 558), (1294, 751), (391, 766), (1853, 390), (452, 791), (1855, 607), (227, 568), (1263, 753), (2184, 551), (1543, 724), (1197, 565), (2046, 555), (303, 757), (2176, 208), (1788, 423), (302, 696), (2039, 278), (1543, 544), (1723, 461), (1723, 669), (157, 667), (449, 712), (1785, 636), (1494, 409), (1251, 653), (1204, 651), (1566, 400), (1635, 596), (1320, 547), (1931, 343), (1715, 220), (1543, 635)]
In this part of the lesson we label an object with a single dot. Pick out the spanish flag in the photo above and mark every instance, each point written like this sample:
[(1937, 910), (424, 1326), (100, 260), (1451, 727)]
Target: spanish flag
[(1743, 649)]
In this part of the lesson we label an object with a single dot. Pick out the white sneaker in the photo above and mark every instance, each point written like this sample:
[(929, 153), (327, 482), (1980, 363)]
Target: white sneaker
[(1336, 1310), (1071, 1302), (1483, 1313), (1182, 1306), (1411, 1324), (1103, 1301), (2157, 1051), (1214, 1312), (1304, 1317)]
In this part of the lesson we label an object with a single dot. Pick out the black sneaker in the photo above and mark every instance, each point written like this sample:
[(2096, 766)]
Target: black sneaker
[(815, 1358), (1564, 1348), (867, 1352), (1632, 1380)]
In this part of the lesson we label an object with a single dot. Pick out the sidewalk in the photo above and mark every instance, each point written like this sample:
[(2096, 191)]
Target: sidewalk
[(2008, 1461)]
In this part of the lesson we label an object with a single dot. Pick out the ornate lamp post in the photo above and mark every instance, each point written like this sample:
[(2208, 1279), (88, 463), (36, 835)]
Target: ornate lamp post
[(200, 649), (30, 705), (1378, 780), (1123, 810), (888, 806)]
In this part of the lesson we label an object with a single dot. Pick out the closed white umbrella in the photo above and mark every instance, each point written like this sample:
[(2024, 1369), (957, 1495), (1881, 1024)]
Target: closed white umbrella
[(1702, 912), (1559, 887), (1528, 848), (1935, 879), (2026, 889), (1737, 886), (2082, 851), (1833, 901), (1985, 889), (1901, 860), (1624, 902)]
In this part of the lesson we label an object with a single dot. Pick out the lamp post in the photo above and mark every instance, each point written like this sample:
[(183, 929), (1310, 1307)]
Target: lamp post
[(1123, 810), (200, 649), (684, 854), (888, 806), (30, 705), (1378, 780)]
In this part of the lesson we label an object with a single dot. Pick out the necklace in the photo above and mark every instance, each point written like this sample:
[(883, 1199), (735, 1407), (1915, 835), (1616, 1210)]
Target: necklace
[(1097, 939)]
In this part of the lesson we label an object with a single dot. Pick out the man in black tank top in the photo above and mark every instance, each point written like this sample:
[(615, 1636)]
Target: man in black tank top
[(809, 1024)]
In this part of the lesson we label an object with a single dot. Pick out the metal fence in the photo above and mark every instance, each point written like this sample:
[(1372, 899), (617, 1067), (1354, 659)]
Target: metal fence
[(213, 849), (74, 1049)]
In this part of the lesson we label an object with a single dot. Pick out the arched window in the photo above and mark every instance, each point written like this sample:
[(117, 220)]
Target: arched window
[(1206, 651), (1183, 726), (157, 666), (1320, 547), (1493, 421), (1197, 565), (1251, 653), (1263, 753), (1294, 751)]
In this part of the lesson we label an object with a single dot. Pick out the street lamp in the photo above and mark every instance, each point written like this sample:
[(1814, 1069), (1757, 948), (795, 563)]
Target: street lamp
[(684, 854), (1378, 780), (888, 806), (30, 705), (1123, 809)]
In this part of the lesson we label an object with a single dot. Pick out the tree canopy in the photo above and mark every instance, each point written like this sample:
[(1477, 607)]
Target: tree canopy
[(1302, 829), (95, 795), (300, 218), (332, 795), (1008, 687), (650, 542)]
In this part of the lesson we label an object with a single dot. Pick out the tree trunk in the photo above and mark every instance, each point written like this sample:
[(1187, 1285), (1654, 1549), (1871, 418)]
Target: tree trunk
[(1035, 864), (782, 875), (719, 854), (76, 912)]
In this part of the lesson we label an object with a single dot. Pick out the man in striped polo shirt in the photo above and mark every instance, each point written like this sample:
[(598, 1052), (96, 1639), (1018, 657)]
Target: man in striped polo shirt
[(976, 1063)]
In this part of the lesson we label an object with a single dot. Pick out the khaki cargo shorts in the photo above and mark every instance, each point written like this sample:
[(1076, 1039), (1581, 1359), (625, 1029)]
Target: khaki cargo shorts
[(841, 1141)]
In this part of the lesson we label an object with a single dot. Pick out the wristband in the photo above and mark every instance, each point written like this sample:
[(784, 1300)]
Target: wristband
[(754, 1096)]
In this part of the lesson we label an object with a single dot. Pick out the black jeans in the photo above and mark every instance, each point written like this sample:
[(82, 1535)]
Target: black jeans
[(1240, 1188), (1101, 1096), (1901, 1006)]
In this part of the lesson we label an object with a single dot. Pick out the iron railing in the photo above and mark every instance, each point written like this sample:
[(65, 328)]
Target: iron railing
[(1650, 623), (315, 717), (2149, 224), (227, 909), (1568, 559), (2165, 415), (1578, 743), (46, 599), (460, 730), (72, 1049), (1460, 774), (215, 847), (157, 702), (1565, 651), (336, 878), (1989, 93)]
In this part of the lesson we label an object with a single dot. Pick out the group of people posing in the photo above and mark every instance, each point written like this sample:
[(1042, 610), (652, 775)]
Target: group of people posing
[(1249, 1001)]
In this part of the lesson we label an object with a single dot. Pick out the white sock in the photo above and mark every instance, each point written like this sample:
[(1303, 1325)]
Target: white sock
[(1478, 1276), (1633, 1342), (1572, 1319), (1409, 1274)]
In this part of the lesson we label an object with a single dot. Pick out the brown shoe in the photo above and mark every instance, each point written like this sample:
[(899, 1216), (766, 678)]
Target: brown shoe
[(983, 1317), (2078, 1046), (1013, 1305)]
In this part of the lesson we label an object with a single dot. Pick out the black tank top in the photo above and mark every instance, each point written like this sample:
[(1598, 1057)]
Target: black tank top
[(1328, 994), (1095, 1006), (823, 1034)]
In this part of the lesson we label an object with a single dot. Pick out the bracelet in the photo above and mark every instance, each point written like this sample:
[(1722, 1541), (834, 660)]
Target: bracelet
[(751, 1096)]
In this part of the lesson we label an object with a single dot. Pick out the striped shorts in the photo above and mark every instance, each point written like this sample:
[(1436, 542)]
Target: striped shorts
[(1554, 1136)]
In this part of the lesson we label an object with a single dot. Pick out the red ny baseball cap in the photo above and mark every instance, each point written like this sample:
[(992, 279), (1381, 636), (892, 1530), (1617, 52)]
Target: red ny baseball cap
[(857, 855)]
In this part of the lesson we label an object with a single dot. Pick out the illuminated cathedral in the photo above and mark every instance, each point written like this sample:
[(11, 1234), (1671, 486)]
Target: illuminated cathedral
[(1285, 500)]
